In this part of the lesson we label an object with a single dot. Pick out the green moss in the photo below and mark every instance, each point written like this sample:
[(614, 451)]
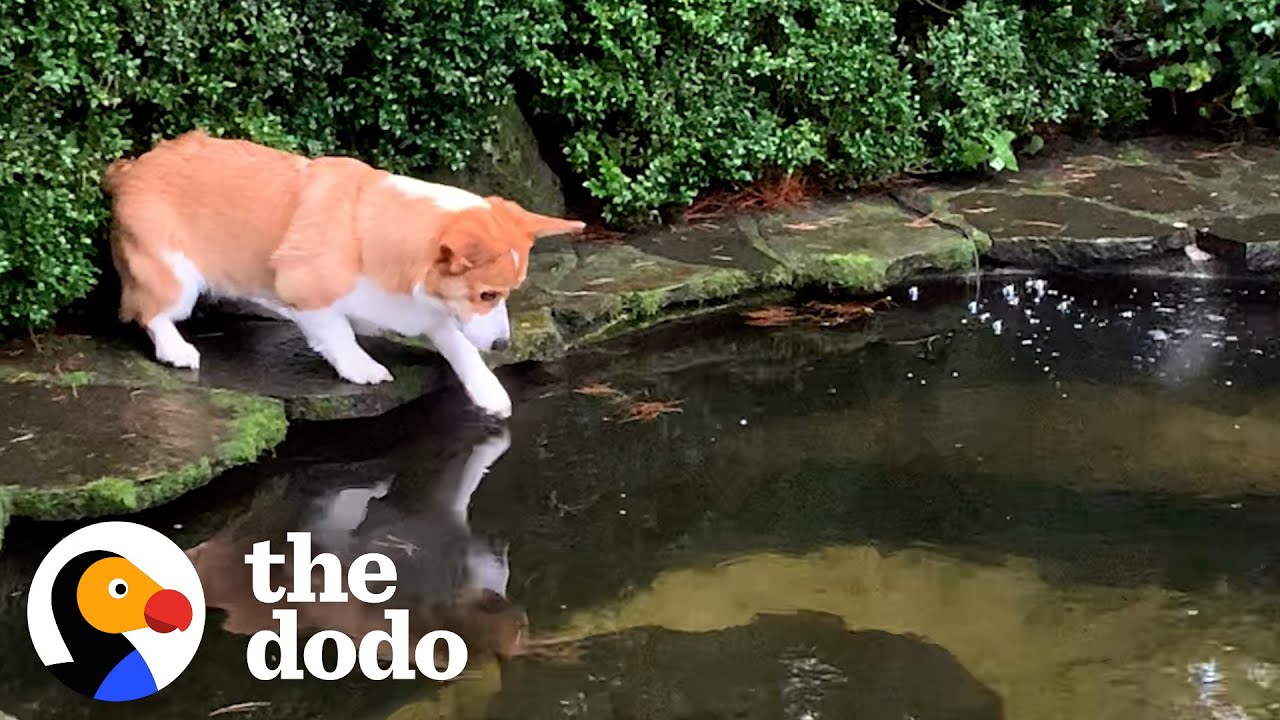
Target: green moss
[(642, 304), (255, 426), (721, 284), (854, 272), (320, 407), (258, 425), (76, 378), (1132, 154)]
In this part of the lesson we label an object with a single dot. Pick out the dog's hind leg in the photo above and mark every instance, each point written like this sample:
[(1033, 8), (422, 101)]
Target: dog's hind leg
[(158, 290)]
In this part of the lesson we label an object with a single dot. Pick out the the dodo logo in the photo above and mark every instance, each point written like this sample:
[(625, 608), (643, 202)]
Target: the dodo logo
[(116, 611)]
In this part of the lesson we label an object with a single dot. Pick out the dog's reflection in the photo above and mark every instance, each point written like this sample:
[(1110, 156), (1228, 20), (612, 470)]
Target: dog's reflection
[(413, 510)]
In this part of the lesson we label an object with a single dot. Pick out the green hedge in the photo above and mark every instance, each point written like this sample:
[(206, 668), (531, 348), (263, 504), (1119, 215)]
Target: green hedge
[(650, 102)]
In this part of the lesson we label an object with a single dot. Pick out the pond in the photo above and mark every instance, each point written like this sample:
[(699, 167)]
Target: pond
[(1026, 499)]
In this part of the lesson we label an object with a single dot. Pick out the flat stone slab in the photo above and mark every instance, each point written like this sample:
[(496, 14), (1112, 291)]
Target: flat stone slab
[(70, 450), (257, 357), (859, 247), (1102, 204)]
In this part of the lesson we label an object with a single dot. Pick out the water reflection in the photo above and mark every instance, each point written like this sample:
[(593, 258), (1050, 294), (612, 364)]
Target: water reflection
[(448, 577)]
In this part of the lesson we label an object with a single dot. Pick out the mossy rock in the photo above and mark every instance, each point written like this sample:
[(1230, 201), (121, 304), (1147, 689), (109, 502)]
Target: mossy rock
[(1121, 206), (78, 451), (862, 247), (508, 163), (262, 358)]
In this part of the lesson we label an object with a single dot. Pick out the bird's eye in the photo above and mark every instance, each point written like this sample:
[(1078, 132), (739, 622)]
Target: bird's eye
[(488, 296), (118, 588)]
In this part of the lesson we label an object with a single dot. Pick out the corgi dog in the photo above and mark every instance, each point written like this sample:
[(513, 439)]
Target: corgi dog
[(333, 244)]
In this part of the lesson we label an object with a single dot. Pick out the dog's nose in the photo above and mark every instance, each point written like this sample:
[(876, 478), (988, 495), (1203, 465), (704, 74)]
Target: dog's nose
[(500, 344)]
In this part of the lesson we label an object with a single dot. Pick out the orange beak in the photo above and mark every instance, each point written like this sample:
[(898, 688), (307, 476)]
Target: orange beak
[(168, 610)]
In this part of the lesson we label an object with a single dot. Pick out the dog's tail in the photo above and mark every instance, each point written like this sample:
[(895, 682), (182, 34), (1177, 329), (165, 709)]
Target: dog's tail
[(111, 176)]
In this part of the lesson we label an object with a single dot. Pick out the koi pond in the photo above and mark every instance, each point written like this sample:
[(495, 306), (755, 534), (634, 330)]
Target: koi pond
[(1032, 499)]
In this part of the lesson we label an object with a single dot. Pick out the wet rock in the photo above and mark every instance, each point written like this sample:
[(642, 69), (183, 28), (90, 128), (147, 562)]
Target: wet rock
[(1111, 205), (258, 357), (866, 246), (74, 450), (1252, 243), (803, 665), (1031, 230), (594, 290)]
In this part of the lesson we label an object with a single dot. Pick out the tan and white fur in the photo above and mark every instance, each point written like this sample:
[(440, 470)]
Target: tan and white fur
[(333, 244)]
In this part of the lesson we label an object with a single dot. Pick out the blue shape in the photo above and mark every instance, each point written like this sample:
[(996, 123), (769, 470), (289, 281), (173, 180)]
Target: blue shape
[(129, 680)]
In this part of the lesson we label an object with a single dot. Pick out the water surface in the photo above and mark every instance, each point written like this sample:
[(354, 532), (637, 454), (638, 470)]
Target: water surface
[(1030, 499)]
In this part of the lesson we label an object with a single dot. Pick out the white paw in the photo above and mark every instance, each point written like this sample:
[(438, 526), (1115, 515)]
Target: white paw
[(180, 354), (489, 395), (364, 371)]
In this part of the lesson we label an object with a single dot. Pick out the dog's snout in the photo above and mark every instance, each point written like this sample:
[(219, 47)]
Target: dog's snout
[(500, 344)]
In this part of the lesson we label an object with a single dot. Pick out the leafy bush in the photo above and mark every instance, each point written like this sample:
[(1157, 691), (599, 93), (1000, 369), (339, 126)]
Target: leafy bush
[(664, 99), (656, 101), (995, 70), (1227, 50), (403, 83)]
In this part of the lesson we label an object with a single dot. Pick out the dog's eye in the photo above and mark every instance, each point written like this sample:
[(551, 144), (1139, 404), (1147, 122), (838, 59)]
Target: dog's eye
[(488, 296)]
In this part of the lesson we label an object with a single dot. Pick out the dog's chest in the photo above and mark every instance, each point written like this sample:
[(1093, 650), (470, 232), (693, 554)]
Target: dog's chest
[(370, 305)]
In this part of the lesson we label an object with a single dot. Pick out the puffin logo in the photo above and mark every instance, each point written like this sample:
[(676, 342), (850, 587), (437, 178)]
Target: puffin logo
[(116, 611)]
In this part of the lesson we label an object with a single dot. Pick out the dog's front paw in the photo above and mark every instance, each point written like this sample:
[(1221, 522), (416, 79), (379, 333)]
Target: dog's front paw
[(491, 397), (365, 371), (179, 354)]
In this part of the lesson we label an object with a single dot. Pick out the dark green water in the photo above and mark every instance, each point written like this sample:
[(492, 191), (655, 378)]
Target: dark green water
[(1073, 513)]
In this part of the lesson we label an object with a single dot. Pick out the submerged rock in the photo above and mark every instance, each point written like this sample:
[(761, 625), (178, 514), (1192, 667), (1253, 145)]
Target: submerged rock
[(990, 636), (793, 666)]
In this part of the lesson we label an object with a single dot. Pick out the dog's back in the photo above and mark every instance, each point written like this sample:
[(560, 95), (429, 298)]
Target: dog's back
[(197, 205)]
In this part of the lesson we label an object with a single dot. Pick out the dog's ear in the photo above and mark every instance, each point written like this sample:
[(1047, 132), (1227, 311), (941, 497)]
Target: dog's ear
[(453, 257), (458, 252), (533, 224)]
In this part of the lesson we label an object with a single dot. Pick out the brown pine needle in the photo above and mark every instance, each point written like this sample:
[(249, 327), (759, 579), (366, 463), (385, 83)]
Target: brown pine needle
[(922, 222), (649, 410), (771, 317), (599, 390), (823, 314), (243, 707)]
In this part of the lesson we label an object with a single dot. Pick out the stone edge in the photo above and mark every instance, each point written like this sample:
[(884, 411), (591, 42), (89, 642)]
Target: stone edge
[(257, 425)]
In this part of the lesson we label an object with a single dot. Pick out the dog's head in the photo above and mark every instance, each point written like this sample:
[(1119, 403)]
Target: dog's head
[(481, 255)]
